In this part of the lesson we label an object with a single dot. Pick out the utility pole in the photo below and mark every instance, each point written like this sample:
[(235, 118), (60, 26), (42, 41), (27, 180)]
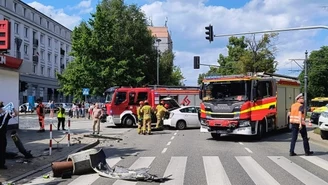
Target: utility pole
[(157, 63), (305, 81)]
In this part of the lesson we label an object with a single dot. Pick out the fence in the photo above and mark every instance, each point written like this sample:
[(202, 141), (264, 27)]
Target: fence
[(68, 134)]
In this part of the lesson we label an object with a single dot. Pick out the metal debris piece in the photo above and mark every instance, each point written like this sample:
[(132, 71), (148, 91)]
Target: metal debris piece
[(99, 165)]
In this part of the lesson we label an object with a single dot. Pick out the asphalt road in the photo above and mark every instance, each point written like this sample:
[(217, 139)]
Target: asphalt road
[(193, 158)]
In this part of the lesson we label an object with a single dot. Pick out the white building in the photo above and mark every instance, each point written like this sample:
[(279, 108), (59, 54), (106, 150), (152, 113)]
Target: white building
[(43, 44)]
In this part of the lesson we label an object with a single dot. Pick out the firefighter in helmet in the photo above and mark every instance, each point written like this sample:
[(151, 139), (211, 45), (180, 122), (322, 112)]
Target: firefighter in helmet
[(160, 111), (146, 112), (140, 122)]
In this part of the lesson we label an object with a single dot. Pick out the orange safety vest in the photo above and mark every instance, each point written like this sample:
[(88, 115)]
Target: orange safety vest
[(293, 117)]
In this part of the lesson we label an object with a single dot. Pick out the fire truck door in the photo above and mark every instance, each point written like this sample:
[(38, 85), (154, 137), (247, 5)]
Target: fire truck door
[(121, 102)]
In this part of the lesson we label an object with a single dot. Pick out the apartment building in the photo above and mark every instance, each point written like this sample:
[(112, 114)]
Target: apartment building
[(43, 44), (163, 39)]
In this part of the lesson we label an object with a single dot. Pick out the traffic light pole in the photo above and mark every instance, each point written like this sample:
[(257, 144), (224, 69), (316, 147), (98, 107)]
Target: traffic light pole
[(284, 30)]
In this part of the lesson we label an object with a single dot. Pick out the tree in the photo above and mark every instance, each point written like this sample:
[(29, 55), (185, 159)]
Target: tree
[(114, 47), (169, 73), (246, 55), (317, 73)]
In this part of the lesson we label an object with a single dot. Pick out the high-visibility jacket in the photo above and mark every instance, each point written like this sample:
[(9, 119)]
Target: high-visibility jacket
[(61, 113), (160, 110), (139, 113), (146, 111), (294, 114)]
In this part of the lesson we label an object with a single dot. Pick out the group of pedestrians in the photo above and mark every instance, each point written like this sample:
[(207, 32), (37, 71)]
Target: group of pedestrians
[(144, 113)]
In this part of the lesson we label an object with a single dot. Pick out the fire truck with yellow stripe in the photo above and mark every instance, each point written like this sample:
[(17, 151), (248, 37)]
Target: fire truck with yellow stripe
[(251, 104)]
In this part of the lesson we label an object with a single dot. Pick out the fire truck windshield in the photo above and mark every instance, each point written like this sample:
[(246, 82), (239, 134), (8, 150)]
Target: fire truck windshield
[(227, 90), (109, 96)]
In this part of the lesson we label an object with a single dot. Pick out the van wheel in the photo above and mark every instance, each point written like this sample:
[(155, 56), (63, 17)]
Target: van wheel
[(128, 121), (215, 136), (181, 125)]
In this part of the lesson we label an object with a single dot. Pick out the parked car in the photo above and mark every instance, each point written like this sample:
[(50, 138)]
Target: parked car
[(183, 117), (316, 114), (25, 107), (323, 124)]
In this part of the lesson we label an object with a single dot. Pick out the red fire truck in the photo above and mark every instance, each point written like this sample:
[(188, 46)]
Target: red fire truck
[(251, 104), (122, 102)]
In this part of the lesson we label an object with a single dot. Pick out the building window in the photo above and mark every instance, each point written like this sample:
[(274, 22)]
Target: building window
[(49, 57), (32, 16), (42, 54), (49, 42), (34, 69), (42, 70), (54, 28), (47, 24), (25, 49), (55, 72), (40, 20), (16, 28), (5, 3), (24, 12), (26, 32), (56, 44), (15, 6), (55, 59), (49, 72), (41, 92), (42, 39)]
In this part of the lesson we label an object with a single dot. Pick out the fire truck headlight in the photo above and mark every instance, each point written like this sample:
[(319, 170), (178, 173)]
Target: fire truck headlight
[(245, 123)]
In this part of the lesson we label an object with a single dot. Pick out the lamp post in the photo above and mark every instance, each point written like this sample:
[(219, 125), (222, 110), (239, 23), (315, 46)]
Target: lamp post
[(157, 67)]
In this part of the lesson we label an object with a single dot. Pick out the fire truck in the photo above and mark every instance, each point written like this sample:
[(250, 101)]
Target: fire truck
[(122, 102), (251, 104)]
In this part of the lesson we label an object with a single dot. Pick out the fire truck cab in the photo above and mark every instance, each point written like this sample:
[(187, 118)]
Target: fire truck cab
[(251, 104), (122, 102)]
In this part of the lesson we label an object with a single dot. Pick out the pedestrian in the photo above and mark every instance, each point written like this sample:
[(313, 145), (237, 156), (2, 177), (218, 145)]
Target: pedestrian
[(61, 117), (5, 116), (160, 111), (52, 109), (97, 113), (297, 121), (140, 121), (146, 112), (40, 110)]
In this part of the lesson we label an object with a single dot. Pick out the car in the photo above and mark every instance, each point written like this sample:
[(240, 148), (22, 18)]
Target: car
[(183, 117), (25, 107), (316, 114), (323, 124)]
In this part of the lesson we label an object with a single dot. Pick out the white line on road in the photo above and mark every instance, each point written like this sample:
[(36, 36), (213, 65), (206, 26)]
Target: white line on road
[(172, 137), (241, 143), (248, 150), (175, 133), (169, 143), (214, 170), (164, 150), (317, 161), (176, 168), (297, 171), (255, 171)]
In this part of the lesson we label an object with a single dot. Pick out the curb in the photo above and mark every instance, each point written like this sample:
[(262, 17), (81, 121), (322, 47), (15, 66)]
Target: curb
[(88, 146)]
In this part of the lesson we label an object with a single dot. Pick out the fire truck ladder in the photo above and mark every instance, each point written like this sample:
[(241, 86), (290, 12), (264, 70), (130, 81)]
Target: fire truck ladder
[(173, 87), (263, 74)]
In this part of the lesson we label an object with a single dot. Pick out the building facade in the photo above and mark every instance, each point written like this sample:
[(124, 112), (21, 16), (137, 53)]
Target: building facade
[(163, 39), (43, 44)]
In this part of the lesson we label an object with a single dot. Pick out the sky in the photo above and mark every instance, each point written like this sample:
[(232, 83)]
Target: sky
[(187, 20)]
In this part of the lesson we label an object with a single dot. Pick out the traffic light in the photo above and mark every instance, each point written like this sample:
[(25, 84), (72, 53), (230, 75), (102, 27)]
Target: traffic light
[(196, 62), (23, 86), (209, 33)]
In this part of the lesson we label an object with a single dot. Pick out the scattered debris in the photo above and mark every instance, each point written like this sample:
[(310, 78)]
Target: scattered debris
[(20, 145), (101, 136)]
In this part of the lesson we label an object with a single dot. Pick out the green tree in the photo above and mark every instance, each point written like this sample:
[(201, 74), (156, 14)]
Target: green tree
[(169, 73), (113, 48)]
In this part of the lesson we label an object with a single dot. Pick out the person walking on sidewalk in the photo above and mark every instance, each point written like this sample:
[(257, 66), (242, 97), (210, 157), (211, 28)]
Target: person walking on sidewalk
[(297, 121), (97, 113), (40, 110), (4, 119), (61, 117), (52, 109)]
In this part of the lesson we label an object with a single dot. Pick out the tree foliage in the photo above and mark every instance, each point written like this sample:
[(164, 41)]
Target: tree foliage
[(169, 73), (317, 73), (114, 47), (246, 55)]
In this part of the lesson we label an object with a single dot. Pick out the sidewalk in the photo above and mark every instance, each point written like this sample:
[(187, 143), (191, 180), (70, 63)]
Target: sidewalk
[(38, 143)]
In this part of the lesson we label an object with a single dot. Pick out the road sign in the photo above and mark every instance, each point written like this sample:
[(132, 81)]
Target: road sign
[(85, 91)]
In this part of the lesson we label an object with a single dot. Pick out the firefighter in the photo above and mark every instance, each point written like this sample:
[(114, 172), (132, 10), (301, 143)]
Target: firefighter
[(146, 112), (297, 121), (140, 121), (160, 111), (40, 110)]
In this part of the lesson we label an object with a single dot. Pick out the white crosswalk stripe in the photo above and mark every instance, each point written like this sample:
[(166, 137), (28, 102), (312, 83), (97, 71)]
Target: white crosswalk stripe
[(297, 171), (215, 172)]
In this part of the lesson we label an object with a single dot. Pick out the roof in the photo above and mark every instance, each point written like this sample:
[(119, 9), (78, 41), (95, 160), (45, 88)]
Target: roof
[(161, 32)]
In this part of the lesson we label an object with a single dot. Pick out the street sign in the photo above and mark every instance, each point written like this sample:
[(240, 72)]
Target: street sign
[(85, 91)]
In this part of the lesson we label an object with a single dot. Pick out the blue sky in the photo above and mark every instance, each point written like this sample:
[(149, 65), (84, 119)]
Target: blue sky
[(187, 19)]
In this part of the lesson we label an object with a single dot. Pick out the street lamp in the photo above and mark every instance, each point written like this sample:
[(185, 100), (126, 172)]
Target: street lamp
[(157, 50)]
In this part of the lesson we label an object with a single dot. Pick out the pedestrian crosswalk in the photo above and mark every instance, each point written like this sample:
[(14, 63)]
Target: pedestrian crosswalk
[(216, 173)]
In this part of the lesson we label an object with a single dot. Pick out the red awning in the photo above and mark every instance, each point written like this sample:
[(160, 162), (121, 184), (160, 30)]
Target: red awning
[(10, 62)]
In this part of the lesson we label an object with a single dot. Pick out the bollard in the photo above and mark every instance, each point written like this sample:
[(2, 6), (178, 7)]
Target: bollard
[(50, 141), (69, 132)]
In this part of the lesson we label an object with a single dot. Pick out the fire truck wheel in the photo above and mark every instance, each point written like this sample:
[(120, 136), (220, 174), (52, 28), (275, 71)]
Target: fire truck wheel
[(128, 121), (181, 125), (260, 131), (215, 136)]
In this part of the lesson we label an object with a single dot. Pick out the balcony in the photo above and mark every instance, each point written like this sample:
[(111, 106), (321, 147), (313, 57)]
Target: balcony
[(35, 43), (62, 52), (35, 59)]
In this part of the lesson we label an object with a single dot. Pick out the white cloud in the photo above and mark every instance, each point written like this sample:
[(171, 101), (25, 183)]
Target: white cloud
[(187, 20), (84, 7), (69, 21)]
